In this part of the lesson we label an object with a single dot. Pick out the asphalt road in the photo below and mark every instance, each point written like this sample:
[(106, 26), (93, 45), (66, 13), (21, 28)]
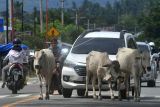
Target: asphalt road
[(28, 97)]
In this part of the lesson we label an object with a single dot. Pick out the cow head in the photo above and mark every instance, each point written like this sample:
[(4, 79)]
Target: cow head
[(38, 59), (113, 69), (145, 61)]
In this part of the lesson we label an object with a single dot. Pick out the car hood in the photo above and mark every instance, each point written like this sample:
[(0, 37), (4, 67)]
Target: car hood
[(112, 57), (77, 58), (81, 58)]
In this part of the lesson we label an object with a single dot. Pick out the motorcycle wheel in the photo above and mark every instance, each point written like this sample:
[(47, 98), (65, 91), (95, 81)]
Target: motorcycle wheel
[(14, 91)]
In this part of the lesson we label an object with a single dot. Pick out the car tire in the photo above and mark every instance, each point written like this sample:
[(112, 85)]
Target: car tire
[(151, 83), (80, 92), (66, 92)]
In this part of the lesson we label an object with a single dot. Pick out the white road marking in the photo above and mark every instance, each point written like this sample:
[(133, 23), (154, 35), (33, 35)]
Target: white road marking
[(22, 95), (3, 96)]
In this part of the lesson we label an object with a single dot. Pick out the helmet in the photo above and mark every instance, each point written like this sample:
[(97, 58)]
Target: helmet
[(151, 44), (54, 41), (16, 41)]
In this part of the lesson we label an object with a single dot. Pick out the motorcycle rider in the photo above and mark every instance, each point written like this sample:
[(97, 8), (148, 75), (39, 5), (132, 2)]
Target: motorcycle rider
[(15, 55), (57, 54), (56, 51)]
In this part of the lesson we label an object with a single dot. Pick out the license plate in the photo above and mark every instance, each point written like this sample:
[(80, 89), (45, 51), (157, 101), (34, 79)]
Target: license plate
[(16, 77)]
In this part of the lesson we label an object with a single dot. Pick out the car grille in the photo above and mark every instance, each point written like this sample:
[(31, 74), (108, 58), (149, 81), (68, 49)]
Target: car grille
[(81, 70)]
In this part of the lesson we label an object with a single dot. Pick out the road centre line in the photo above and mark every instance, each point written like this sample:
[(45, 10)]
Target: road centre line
[(21, 101)]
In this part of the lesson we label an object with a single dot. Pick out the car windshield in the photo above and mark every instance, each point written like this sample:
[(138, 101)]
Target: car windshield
[(143, 48), (109, 45)]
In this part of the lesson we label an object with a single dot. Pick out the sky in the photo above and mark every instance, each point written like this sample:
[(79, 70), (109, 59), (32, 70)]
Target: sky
[(29, 4)]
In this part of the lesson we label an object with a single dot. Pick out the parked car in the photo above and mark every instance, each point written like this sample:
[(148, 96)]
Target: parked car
[(74, 69), (151, 74)]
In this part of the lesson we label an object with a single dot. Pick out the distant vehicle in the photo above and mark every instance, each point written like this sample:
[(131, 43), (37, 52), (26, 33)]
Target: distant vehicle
[(74, 69), (151, 75)]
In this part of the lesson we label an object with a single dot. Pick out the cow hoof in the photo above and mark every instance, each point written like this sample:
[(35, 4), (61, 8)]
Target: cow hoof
[(47, 97), (86, 94), (112, 97), (100, 97), (40, 98), (120, 99), (137, 100), (94, 97)]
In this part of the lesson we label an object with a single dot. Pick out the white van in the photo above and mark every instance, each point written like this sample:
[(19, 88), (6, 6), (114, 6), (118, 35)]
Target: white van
[(74, 69)]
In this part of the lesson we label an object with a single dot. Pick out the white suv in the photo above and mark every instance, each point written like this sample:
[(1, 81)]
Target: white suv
[(74, 69)]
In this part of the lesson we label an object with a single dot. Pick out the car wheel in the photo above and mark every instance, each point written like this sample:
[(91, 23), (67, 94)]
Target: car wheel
[(151, 83), (80, 92), (132, 89), (66, 92)]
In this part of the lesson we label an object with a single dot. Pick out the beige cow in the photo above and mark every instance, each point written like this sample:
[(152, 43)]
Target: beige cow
[(132, 64), (99, 66), (44, 64)]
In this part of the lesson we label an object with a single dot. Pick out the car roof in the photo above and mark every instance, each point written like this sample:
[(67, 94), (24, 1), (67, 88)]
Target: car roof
[(104, 34)]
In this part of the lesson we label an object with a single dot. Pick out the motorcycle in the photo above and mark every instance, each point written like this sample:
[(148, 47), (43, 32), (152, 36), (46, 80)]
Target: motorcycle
[(15, 78)]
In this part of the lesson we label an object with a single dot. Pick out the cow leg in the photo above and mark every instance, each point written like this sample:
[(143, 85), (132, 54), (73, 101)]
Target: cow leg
[(118, 88), (47, 92), (110, 87), (127, 80), (137, 88), (94, 87), (99, 87), (47, 88), (87, 82), (41, 94)]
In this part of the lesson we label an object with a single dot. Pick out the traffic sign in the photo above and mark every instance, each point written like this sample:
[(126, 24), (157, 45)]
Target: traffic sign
[(1, 25), (53, 32)]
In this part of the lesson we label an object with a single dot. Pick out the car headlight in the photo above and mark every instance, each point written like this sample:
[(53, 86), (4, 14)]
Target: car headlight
[(65, 51)]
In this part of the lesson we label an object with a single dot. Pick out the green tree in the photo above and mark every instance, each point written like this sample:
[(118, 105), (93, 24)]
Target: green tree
[(151, 23)]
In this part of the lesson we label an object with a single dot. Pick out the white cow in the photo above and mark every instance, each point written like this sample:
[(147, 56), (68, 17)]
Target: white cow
[(44, 64), (98, 65), (132, 64)]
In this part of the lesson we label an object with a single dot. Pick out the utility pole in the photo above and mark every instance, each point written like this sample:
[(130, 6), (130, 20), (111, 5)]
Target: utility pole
[(41, 17), (88, 24), (22, 15), (10, 13), (46, 19), (62, 12), (6, 21), (12, 22), (35, 20), (11, 17), (77, 17)]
